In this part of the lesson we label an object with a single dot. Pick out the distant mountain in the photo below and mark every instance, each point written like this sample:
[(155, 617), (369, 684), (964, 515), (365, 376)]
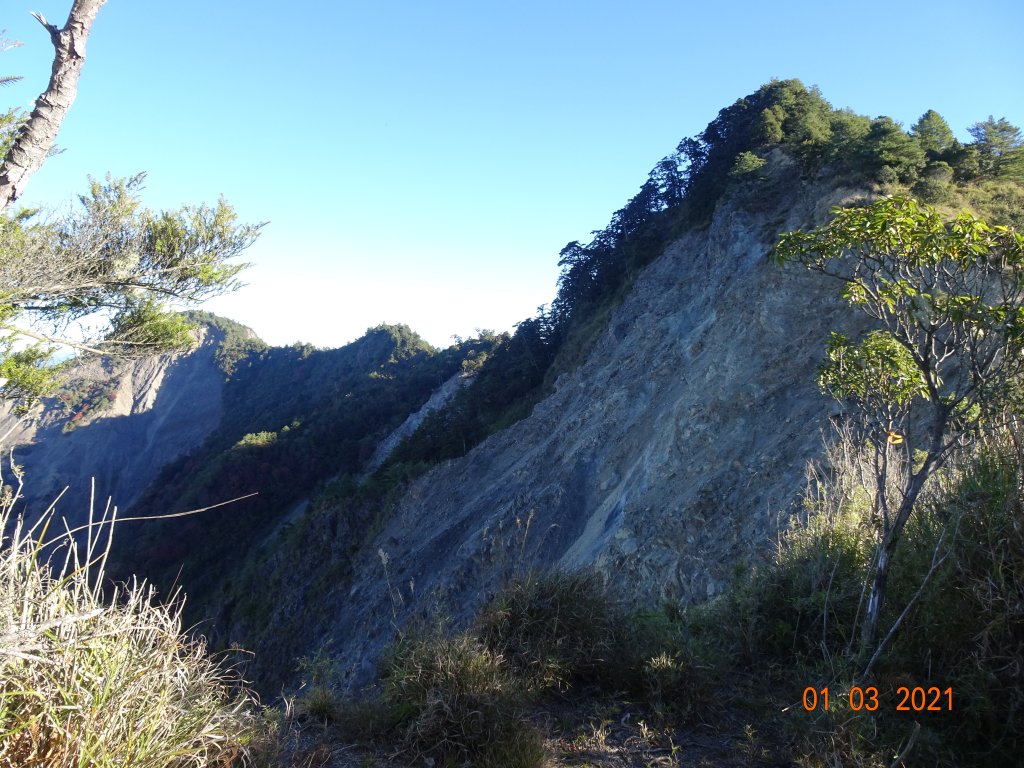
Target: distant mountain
[(293, 419)]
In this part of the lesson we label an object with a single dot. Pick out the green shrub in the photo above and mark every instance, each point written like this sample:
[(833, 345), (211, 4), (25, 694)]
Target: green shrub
[(455, 702), (747, 163), (105, 681), (555, 629), (936, 184), (320, 700), (673, 684)]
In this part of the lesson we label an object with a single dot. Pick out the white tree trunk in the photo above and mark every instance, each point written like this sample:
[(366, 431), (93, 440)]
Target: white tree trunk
[(35, 140)]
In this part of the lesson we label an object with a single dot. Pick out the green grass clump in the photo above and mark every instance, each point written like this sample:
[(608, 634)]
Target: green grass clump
[(105, 680), (673, 684), (565, 631), (555, 629), (457, 703)]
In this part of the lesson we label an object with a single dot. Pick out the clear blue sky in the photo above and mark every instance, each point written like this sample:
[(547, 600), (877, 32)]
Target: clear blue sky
[(424, 162)]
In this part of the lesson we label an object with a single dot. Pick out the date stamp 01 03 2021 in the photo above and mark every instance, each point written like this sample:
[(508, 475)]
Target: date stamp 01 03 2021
[(916, 699)]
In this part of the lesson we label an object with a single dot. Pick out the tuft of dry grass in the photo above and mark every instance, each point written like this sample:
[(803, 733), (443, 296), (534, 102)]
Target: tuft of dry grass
[(99, 678)]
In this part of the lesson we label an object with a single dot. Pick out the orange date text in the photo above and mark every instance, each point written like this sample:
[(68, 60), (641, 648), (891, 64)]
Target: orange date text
[(866, 699)]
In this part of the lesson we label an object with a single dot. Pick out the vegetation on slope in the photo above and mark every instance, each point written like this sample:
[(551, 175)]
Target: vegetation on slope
[(81, 398), (294, 417), (740, 680)]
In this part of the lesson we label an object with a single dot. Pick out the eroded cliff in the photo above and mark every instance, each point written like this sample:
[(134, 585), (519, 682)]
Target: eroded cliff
[(670, 458), (151, 410)]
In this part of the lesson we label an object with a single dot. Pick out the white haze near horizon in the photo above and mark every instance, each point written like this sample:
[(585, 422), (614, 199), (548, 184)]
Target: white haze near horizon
[(334, 309)]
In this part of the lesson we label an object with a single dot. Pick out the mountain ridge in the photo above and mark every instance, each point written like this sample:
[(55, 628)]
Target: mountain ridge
[(696, 362)]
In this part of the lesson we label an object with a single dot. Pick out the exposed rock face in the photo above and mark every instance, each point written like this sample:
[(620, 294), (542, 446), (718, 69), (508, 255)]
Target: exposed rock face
[(160, 407), (667, 460)]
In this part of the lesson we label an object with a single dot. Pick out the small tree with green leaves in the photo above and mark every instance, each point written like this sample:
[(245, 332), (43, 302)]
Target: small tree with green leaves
[(948, 300), (747, 163)]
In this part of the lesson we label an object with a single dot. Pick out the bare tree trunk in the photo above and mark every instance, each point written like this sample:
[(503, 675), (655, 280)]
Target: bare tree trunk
[(35, 140), (876, 599), (891, 536), (885, 552)]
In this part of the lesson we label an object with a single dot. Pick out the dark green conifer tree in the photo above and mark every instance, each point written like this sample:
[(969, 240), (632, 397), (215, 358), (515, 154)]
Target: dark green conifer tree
[(933, 133)]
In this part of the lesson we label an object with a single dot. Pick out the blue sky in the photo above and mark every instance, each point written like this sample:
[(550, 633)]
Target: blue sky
[(424, 162)]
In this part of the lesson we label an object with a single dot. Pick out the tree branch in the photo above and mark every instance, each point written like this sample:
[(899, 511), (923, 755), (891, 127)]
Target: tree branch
[(54, 340), (54, 32), (35, 139)]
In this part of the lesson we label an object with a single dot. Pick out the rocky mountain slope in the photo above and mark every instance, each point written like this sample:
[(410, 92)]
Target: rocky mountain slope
[(667, 460), (655, 422)]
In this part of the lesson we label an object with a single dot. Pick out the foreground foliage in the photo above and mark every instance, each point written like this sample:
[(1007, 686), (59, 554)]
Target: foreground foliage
[(943, 365), (956, 579), (104, 680), (113, 262)]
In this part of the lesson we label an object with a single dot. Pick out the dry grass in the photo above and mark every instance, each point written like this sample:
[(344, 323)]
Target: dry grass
[(97, 679)]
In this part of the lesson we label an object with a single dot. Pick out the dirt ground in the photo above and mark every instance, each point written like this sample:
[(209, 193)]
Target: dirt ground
[(602, 734)]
